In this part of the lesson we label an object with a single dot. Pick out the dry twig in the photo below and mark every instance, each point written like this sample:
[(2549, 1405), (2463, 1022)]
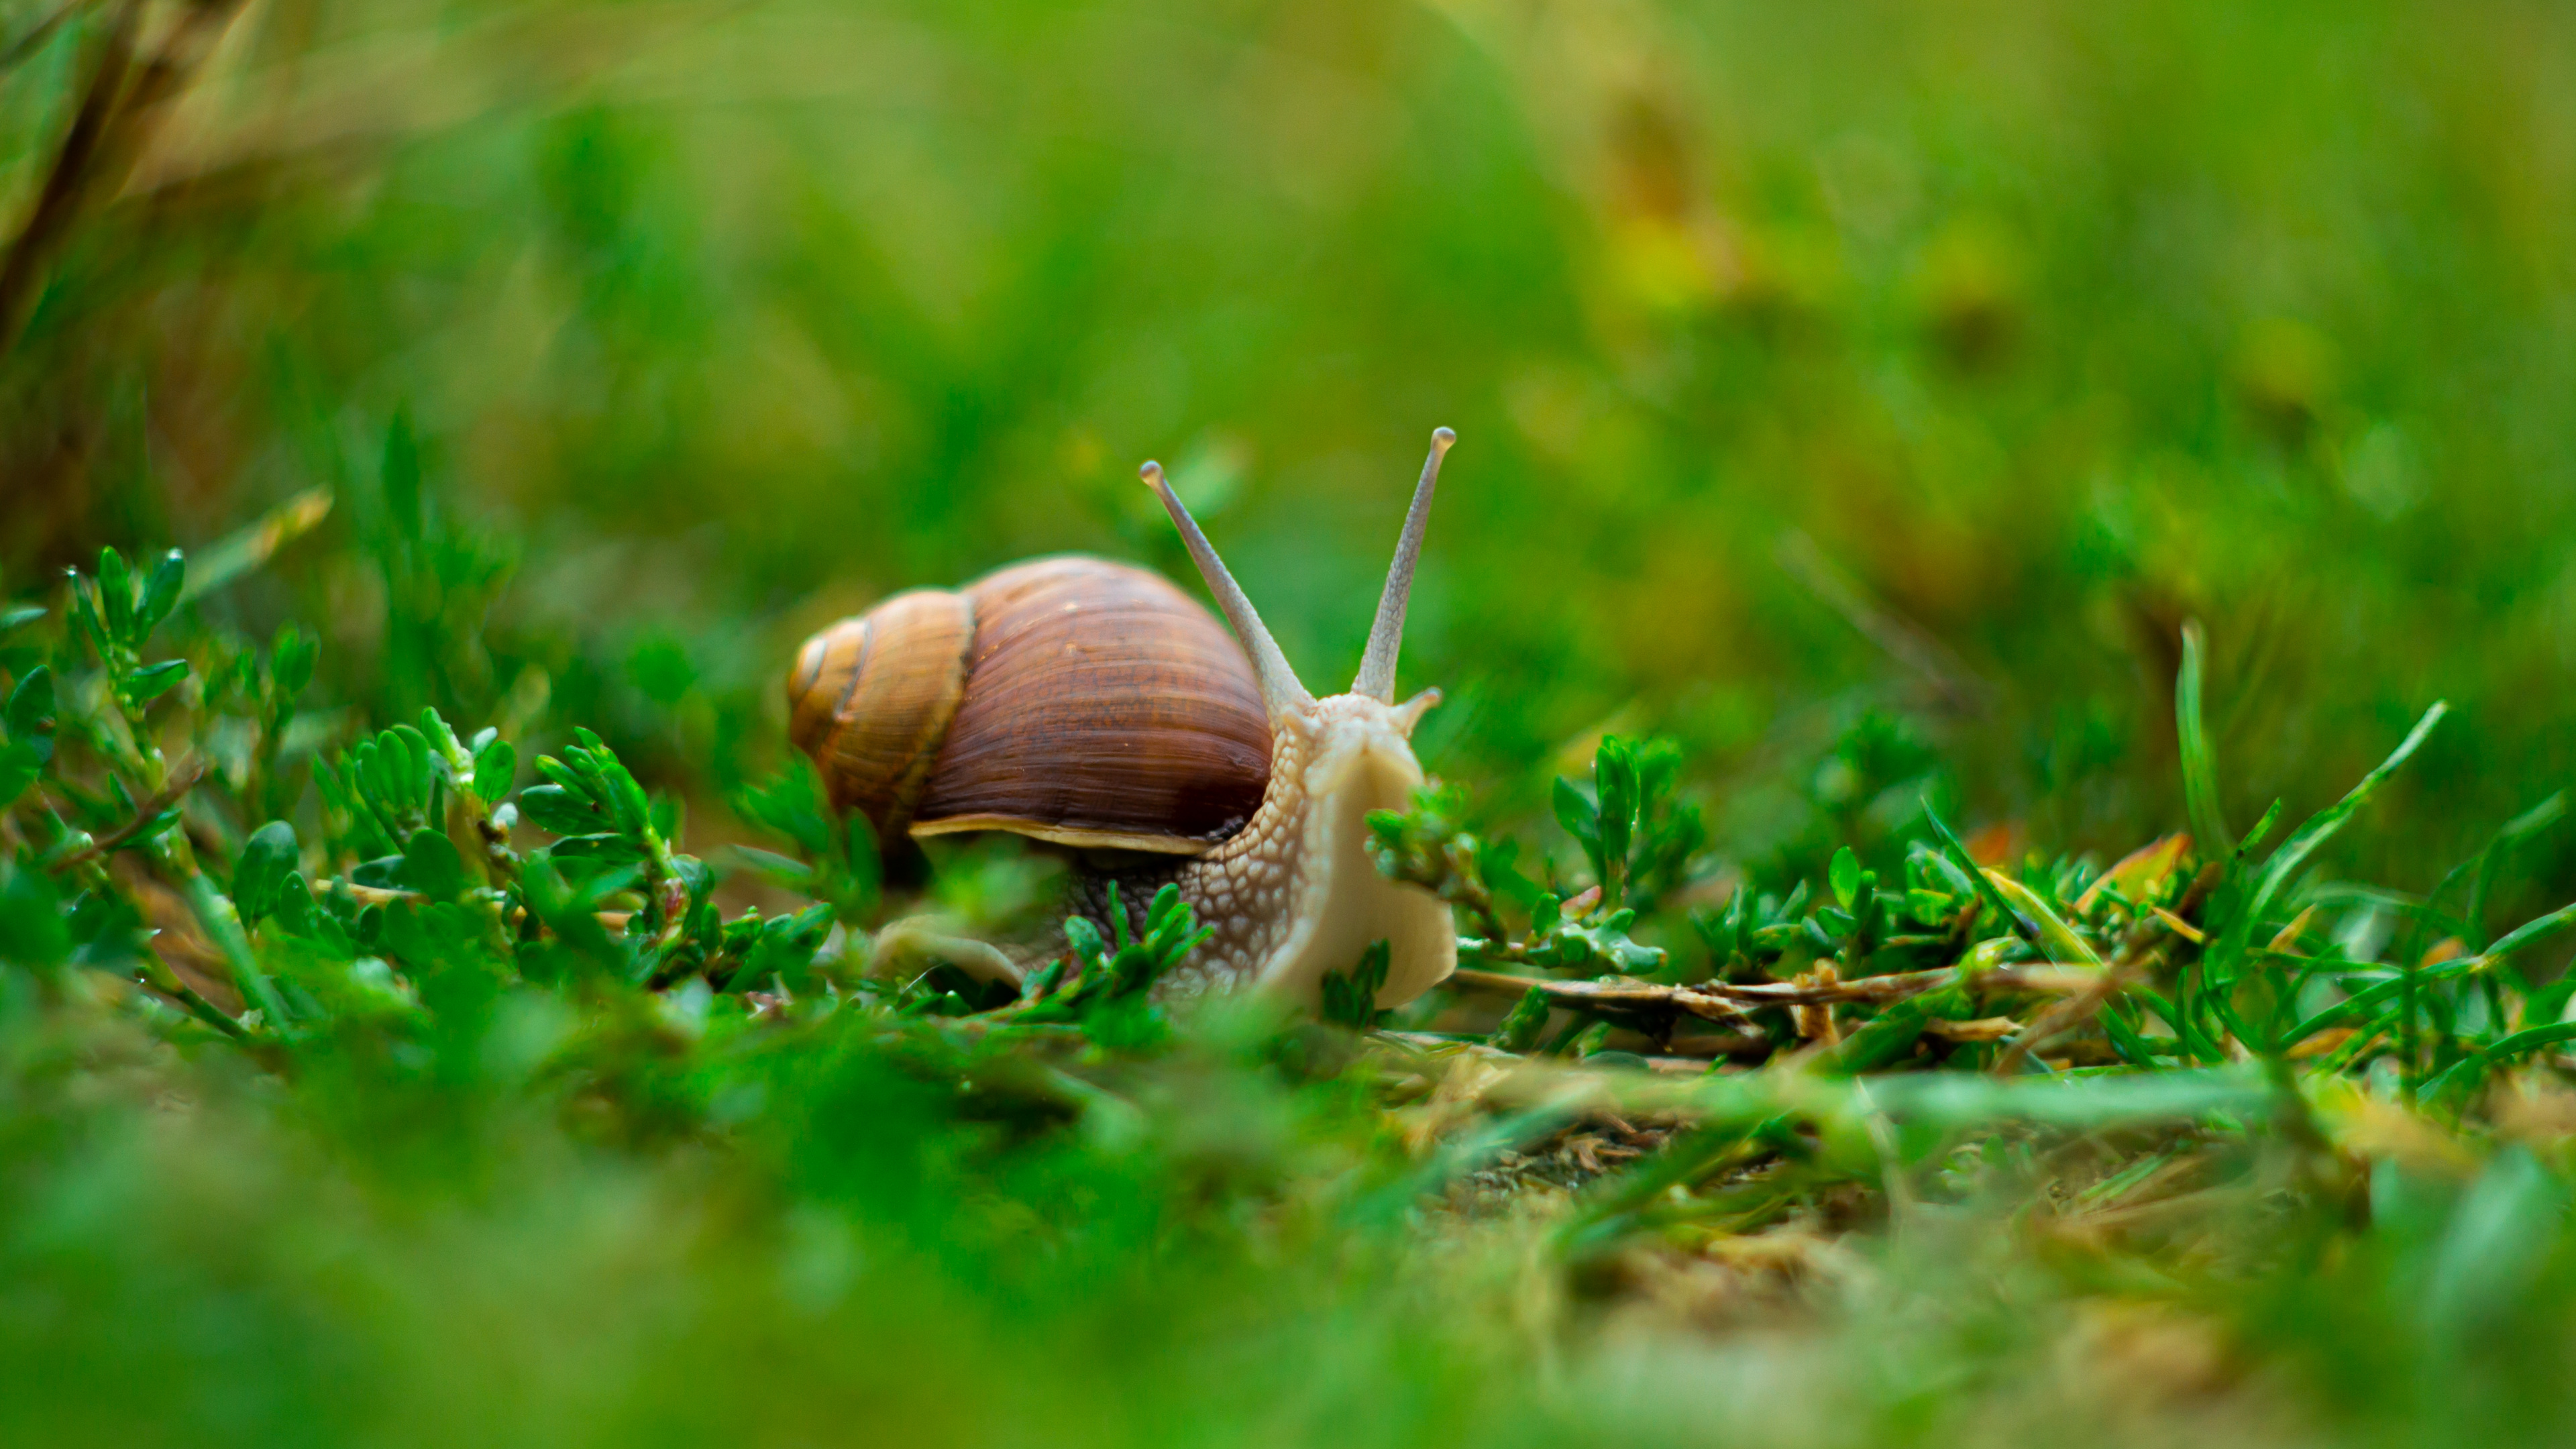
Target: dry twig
[(144, 814)]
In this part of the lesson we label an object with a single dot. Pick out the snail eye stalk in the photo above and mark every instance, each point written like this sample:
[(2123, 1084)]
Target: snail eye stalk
[(1386, 636), (1281, 693)]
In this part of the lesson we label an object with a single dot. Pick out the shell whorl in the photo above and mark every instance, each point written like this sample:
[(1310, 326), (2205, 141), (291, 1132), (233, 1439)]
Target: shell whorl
[(1070, 699), (1104, 708), (871, 698)]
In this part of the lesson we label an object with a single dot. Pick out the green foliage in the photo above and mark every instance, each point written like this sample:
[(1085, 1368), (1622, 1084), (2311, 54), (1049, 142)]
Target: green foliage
[(836, 859), (28, 722), (1637, 835), (421, 978), (1350, 997), (1104, 986), (1429, 847), (422, 888), (115, 614), (260, 875)]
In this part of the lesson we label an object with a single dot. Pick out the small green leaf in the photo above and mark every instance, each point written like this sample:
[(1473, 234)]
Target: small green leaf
[(432, 867), (568, 912), (116, 596), (160, 594), (557, 810), (606, 845), (1118, 918), (155, 680), (440, 736), (1659, 766), (494, 766), (2055, 936), (788, 804), (13, 619), (87, 621), (19, 766), (2262, 828), (1042, 982), (298, 914), (570, 781), (786, 870), (409, 760), (33, 931), (783, 948), (153, 829), (1520, 1030), (1165, 915), (1887, 1037), (1580, 817), (2532, 931), (1614, 781), (1965, 873), (1350, 998), (1083, 937), (1719, 931), (267, 859), (1546, 912), (29, 715), (1844, 876), (626, 796), (372, 776)]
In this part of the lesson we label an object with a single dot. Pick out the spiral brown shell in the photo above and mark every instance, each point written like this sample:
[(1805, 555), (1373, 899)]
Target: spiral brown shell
[(1070, 699)]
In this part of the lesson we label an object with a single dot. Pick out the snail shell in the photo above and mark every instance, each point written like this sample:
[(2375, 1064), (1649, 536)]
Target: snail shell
[(1069, 699)]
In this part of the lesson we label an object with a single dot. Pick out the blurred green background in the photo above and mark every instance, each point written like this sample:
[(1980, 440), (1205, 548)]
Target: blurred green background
[(1841, 387)]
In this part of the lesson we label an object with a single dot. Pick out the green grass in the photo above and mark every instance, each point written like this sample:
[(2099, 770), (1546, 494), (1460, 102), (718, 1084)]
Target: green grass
[(454, 1103), (1916, 466)]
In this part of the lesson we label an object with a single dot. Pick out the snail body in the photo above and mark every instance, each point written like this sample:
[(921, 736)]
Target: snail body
[(1094, 706)]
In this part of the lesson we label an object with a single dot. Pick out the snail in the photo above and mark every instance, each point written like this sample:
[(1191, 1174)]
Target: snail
[(1094, 706)]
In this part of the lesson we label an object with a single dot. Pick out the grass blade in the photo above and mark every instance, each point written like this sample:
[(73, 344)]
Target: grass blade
[(2199, 763), (230, 557), (2321, 827)]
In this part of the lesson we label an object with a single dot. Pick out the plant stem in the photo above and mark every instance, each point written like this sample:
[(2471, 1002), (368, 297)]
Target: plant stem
[(223, 925), (159, 977)]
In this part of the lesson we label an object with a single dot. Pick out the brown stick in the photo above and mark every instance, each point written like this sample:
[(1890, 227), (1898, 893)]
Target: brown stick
[(1726, 1001), (144, 814), (1669, 1066)]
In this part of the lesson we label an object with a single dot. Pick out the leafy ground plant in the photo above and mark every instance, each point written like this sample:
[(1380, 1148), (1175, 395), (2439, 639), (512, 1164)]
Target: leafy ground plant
[(375, 1088)]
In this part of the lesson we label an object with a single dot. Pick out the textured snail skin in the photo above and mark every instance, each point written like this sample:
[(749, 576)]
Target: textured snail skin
[(1294, 894)]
